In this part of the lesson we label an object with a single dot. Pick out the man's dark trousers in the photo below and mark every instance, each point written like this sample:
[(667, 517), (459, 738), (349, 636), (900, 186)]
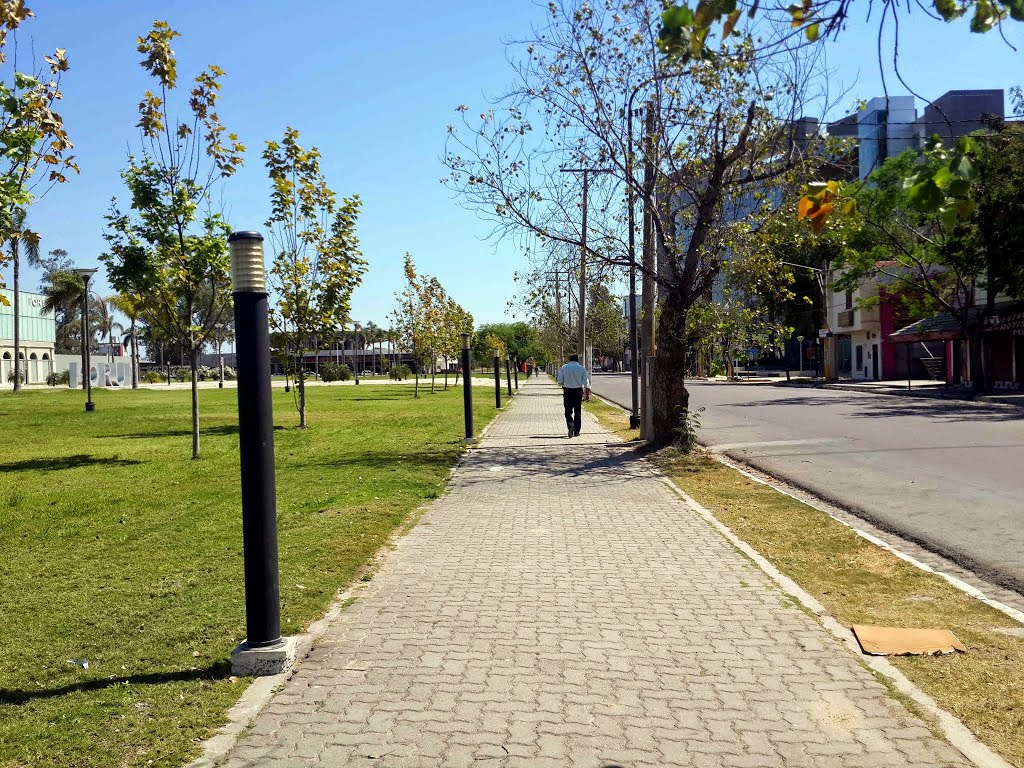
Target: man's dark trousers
[(572, 399)]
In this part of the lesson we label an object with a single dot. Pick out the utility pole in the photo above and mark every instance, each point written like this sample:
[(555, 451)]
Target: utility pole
[(581, 320)]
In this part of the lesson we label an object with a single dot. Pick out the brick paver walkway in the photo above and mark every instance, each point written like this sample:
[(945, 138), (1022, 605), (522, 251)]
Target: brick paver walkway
[(560, 606)]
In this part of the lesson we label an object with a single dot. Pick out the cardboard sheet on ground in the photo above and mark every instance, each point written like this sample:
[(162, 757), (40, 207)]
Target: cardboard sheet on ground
[(899, 641)]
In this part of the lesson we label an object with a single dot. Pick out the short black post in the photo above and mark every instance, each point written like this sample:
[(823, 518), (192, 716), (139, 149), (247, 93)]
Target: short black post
[(467, 390), (256, 440), (515, 370), (508, 375), (497, 382)]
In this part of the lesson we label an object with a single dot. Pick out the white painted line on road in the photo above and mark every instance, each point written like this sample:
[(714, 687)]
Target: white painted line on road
[(781, 443), (963, 586)]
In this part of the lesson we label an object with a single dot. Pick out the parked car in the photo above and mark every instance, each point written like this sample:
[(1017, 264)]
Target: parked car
[(367, 373)]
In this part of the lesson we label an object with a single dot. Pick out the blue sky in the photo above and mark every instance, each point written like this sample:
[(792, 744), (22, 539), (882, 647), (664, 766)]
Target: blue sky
[(373, 85)]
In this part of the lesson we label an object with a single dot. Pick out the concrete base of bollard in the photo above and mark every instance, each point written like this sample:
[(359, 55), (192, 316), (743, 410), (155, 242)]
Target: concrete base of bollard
[(469, 441), (261, 662)]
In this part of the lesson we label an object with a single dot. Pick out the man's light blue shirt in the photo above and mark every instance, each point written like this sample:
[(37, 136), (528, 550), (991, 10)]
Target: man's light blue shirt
[(573, 375)]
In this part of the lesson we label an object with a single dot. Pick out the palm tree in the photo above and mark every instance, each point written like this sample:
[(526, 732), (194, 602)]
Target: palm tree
[(17, 238), (65, 293), (130, 305), (108, 324)]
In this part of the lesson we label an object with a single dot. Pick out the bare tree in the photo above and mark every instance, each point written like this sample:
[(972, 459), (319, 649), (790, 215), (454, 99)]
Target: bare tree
[(719, 136)]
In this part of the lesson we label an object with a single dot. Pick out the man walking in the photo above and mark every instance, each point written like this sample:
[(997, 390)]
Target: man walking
[(574, 378)]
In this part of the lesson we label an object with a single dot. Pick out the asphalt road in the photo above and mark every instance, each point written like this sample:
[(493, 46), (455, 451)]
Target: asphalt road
[(948, 475)]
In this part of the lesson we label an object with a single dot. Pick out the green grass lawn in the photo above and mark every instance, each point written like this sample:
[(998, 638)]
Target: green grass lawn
[(119, 549)]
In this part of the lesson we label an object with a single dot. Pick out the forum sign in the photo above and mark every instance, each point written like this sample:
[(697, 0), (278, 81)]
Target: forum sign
[(101, 374)]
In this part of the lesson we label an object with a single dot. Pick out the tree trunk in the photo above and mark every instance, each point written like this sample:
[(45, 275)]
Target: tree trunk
[(17, 318), (194, 366), (669, 396), (300, 382)]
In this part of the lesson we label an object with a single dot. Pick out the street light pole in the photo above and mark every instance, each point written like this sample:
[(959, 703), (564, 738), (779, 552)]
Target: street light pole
[(85, 273), (264, 651)]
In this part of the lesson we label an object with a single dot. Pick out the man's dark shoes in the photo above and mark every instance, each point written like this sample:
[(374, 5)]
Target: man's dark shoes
[(570, 432)]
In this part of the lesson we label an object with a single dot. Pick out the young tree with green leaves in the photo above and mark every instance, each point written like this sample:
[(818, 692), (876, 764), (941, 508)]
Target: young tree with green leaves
[(170, 247), (410, 317), (32, 136), (317, 263)]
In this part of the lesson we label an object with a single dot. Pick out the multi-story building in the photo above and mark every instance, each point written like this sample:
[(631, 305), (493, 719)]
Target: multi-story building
[(888, 125), (38, 331)]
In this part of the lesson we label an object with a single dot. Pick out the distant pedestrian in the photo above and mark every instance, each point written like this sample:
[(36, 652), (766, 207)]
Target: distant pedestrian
[(575, 381)]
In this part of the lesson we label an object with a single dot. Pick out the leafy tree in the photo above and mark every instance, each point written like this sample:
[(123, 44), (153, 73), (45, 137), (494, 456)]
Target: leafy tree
[(171, 247), (913, 247), (317, 263), (685, 32), (455, 322), (519, 339), (32, 135), (411, 316), (605, 324)]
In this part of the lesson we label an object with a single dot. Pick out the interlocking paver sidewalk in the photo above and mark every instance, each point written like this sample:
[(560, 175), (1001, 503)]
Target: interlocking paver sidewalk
[(561, 606)]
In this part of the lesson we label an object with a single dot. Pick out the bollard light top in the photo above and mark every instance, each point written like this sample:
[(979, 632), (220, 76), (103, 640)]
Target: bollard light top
[(248, 234), (248, 274), (465, 340)]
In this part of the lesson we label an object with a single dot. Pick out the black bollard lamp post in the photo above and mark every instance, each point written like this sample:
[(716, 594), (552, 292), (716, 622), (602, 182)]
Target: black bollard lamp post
[(264, 651), (497, 381), (467, 391)]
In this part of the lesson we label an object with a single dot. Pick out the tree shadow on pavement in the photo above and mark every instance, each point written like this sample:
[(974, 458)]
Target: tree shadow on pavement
[(880, 406)]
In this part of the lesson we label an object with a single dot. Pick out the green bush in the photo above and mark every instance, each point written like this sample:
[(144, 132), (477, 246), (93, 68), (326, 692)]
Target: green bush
[(229, 373), (400, 372), (151, 377), (181, 373), (59, 378), (10, 376), (335, 372)]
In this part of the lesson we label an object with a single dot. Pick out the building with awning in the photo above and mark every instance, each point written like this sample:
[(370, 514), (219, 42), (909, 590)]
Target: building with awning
[(1002, 339)]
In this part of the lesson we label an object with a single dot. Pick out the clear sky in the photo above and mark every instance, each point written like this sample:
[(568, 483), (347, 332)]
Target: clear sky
[(373, 85)]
